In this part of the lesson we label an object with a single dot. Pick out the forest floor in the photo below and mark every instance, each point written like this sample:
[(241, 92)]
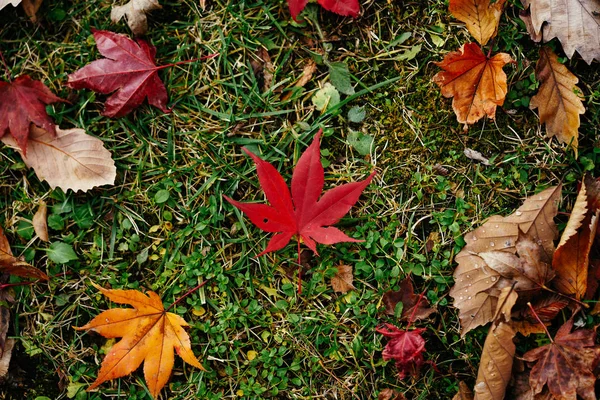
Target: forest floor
[(164, 225)]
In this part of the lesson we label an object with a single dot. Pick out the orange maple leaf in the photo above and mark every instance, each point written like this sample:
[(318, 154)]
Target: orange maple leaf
[(477, 83), (480, 16), (149, 333)]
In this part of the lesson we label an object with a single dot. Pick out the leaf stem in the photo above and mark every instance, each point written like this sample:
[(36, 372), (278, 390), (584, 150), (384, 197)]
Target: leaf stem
[(187, 294), (8, 74), (539, 321), (412, 314)]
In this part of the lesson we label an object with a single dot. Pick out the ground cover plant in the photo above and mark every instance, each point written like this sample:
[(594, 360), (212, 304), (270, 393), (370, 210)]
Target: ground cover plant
[(125, 211)]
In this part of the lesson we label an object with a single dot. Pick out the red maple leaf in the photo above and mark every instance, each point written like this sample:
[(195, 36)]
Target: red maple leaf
[(23, 102), (346, 8), (405, 347), (129, 69), (301, 214)]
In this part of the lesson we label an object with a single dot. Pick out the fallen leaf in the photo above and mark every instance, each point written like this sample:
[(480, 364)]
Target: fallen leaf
[(498, 352), (307, 73), (40, 225), (342, 281), (135, 12), (477, 83), (405, 347), (521, 390), (477, 156), (263, 68), (10, 264), (578, 29), (346, 8), (6, 299), (413, 305), (5, 357), (149, 334), (4, 3), (566, 365), (301, 214), (22, 103), (571, 258), (558, 99), (31, 8), (546, 308), (464, 393), (71, 160), (475, 288), (525, 16), (390, 394), (129, 70), (480, 16)]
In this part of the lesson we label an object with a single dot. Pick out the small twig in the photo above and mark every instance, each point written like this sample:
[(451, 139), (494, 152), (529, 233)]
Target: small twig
[(187, 294), (8, 74)]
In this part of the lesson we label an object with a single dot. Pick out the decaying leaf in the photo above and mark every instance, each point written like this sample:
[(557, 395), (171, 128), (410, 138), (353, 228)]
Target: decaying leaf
[(413, 305), (390, 394), (71, 160), (477, 83), (477, 284), (10, 264), (22, 103), (481, 17), (39, 223), (342, 7), (405, 347), (342, 281), (464, 392), (31, 8), (558, 99), (149, 334), (498, 352), (5, 356), (135, 13), (566, 365), (576, 23), (307, 72), (571, 258)]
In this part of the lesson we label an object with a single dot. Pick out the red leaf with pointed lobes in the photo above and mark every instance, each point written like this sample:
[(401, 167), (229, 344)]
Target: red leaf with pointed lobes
[(301, 213), (405, 347), (129, 70), (346, 8), (22, 103)]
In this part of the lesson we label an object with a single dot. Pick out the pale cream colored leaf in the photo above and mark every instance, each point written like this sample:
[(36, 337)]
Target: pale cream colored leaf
[(135, 13), (4, 3), (71, 160), (558, 99), (576, 23), (39, 222)]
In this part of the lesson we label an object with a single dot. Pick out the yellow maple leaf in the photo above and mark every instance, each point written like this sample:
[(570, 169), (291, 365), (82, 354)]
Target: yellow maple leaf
[(150, 334)]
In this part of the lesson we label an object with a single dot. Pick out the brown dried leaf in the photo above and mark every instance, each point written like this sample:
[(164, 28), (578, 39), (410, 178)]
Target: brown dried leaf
[(5, 357), (571, 258), (525, 16), (390, 394), (71, 160), (31, 8), (12, 265), (464, 393), (309, 69), (342, 281), (576, 23), (481, 17), (496, 363), (406, 295), (135, 12), (558, 99), (566, 365), (39, 222)]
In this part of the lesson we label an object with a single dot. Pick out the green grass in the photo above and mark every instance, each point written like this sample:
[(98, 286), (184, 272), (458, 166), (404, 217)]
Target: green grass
[(317, 345)]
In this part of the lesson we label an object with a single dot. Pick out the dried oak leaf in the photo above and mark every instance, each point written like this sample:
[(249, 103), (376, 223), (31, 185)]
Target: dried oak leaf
[(475, 291), (558, 99), (129, 70), (341, 282), (70, 160), (135, 12), (346, 8), (571, 258), (406, 295), (481, 17), (477, 83), (149, 334), (576, 23), (405, 347), (302, 213), (22, 103), (566, 365)]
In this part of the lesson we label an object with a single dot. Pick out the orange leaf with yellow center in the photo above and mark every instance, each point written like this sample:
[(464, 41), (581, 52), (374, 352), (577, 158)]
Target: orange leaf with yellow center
[(150, 334), (477, 83), (480, 16)]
